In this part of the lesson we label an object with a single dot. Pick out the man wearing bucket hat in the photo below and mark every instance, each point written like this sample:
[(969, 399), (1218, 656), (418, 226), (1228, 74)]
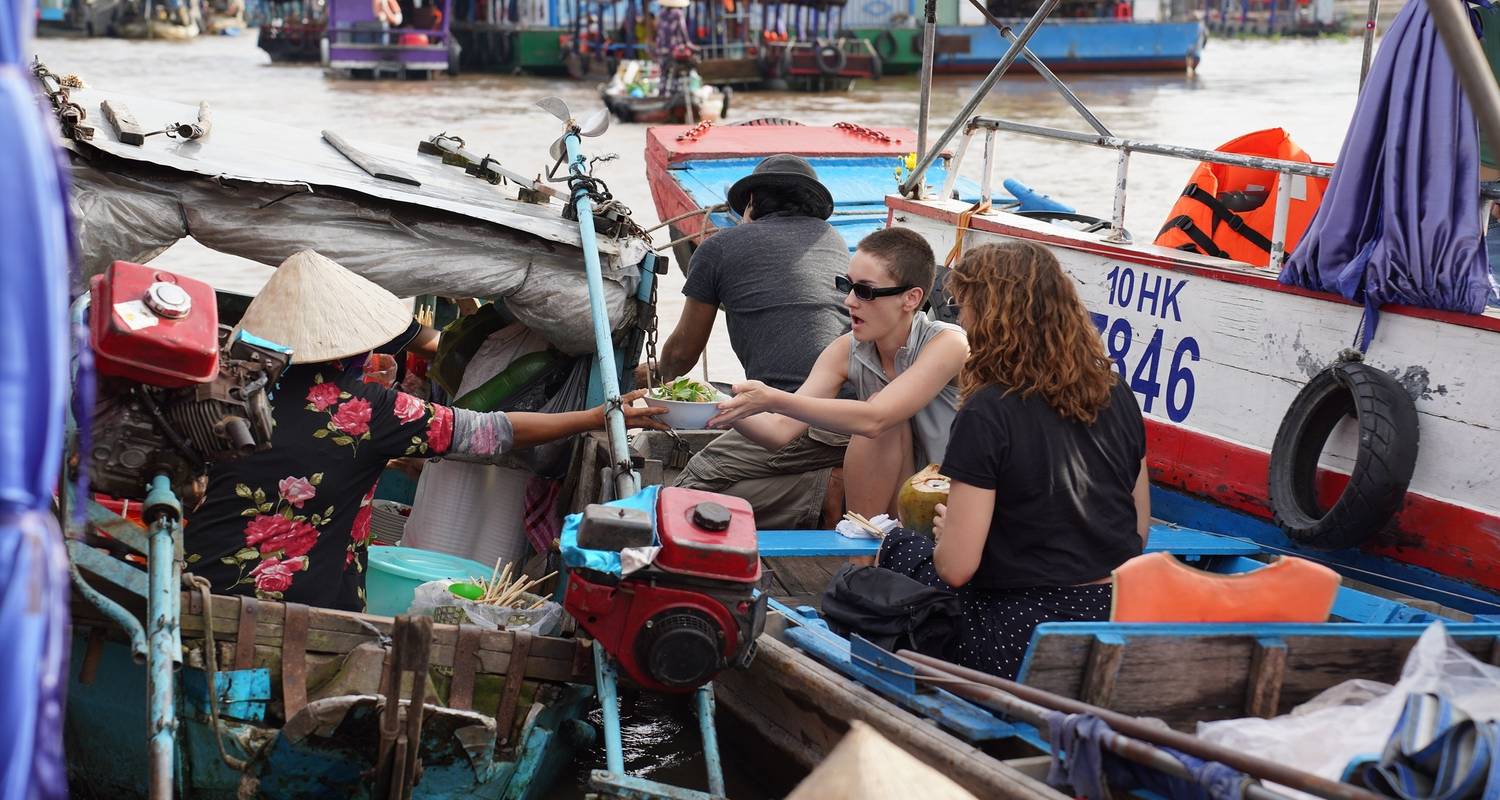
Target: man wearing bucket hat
[(774, 278), (292, 523)]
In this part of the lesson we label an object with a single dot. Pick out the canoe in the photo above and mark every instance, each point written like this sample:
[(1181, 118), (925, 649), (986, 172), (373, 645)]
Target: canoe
[(632, 96)]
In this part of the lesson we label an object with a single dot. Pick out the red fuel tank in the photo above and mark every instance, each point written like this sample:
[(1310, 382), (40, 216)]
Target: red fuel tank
[(154, 327), (707, 535)]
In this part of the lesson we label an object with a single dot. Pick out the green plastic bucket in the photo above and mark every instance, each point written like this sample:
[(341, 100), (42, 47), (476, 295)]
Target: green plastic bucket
[(396, 572)]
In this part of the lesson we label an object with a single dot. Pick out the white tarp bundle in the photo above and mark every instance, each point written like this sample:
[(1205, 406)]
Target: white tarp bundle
[(264, 191)]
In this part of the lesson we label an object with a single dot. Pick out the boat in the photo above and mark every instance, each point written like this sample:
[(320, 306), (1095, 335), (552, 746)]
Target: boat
[(1135, 36), (1204, 386), (293, 31), (358, 44), (690, 170), (275, 698), (631, 95)]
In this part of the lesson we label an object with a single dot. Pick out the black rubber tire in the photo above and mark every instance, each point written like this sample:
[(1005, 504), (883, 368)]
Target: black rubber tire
[(770, 121), (728, 93), (830, 58), (885, 44), (1388, 439)]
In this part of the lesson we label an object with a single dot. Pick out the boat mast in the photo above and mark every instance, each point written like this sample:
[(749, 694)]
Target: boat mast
[(1011, 53), (924, 101)]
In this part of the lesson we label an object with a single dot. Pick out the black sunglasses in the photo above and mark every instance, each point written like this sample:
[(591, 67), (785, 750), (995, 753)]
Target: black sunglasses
[(865, 291)]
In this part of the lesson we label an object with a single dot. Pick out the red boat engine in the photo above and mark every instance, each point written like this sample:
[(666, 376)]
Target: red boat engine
[(692, 611), (175, 390)]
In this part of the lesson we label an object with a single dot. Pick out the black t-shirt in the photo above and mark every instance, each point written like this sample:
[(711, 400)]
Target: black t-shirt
[(1064, 512)]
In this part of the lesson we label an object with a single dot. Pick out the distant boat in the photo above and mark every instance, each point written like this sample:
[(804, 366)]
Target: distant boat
[(1138, 36)]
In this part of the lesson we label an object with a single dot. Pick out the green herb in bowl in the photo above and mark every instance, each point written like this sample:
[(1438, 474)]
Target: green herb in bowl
[(686, 390)]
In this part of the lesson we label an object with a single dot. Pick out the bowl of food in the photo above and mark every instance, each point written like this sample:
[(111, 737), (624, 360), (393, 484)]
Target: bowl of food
[(690, 404)]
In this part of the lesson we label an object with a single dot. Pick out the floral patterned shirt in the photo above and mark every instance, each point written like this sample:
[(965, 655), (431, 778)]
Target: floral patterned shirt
[(292, 523)]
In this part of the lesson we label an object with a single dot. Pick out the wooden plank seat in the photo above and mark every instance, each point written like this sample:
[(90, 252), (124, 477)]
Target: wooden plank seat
[(1184, 674)]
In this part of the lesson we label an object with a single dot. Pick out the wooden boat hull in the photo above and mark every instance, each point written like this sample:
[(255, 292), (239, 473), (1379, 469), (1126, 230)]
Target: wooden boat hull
[(331, 743), (1216, 353)]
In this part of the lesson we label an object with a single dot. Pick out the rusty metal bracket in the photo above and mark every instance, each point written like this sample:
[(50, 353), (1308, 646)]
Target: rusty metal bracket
[(398, 762), (505, 713), (465, 666), (244, 637), (294, 660)]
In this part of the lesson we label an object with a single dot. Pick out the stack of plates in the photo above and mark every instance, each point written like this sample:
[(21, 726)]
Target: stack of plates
[(388, 521)]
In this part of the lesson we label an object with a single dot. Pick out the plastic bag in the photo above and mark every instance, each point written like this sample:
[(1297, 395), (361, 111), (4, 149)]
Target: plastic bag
[(544, 620), (1355, 718)]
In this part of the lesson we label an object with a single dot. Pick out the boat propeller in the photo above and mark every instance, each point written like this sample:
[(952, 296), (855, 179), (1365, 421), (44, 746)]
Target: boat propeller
[(594, 126)]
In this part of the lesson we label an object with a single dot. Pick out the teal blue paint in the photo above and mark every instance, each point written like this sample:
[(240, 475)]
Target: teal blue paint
[(243, 693), (948, 710), (1383, 572)]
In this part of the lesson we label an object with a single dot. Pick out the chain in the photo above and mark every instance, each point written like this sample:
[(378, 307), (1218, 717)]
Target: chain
[(70, 115), (866, 133), (696, 132)]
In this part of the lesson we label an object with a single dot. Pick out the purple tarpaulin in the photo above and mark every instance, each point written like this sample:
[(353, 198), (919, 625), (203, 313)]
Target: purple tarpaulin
[(34, 334), (1400, 220)]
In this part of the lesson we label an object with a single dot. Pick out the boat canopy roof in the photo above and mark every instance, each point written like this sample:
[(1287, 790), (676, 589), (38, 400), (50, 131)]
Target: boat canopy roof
[(263, 191)]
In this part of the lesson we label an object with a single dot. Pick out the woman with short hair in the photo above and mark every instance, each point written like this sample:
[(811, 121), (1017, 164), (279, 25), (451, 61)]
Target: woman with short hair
[(1046, 457)]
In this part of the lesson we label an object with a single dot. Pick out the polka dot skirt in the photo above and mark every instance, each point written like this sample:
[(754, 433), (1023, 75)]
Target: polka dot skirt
[(997, 624)]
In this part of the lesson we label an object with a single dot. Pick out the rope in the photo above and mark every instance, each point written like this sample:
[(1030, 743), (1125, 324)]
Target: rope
[(964, 218), (211, 667)]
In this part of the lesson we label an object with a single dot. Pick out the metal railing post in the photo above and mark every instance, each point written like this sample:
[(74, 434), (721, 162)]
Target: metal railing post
[(1278, 227), (1371, 20), (954, 165), (924, 100), (1122, 169), (987, 180), (960, 119)]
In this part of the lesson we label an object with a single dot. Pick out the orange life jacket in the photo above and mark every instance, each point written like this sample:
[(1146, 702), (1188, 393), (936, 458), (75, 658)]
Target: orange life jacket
[(1200, 223), (1158, 588)]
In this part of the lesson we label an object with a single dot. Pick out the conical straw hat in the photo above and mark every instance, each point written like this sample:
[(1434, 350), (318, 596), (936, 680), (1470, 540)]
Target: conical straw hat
[(865, 766), (323, 311)]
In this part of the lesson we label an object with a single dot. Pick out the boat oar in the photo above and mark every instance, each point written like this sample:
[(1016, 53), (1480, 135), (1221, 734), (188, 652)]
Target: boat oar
[(1011, 698)]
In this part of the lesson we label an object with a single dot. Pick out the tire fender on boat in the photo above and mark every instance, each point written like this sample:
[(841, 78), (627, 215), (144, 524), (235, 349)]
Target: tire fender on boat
[(1386, 418), (885, 44), (830, 58), (728, 92)]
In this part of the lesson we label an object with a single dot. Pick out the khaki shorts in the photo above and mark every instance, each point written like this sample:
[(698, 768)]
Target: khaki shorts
[(786, 487)]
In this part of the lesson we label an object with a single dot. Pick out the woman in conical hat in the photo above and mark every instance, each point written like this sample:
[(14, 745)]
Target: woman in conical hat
[(292, 523)]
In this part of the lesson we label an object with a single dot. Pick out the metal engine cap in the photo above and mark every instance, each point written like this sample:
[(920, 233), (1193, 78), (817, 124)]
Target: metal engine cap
[(711, 516), (168, 300)]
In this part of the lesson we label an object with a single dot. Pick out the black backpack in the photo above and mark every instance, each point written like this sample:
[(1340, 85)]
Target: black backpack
[(892, 610)]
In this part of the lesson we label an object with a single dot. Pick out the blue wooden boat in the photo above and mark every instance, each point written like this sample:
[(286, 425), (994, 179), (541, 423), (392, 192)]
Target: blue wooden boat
[(690, 170)]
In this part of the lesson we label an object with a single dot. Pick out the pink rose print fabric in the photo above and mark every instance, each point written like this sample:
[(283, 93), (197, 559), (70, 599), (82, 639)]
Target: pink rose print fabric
[(293, 523)]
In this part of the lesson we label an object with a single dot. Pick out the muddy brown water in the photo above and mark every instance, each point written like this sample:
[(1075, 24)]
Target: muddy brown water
[(1305, 86)]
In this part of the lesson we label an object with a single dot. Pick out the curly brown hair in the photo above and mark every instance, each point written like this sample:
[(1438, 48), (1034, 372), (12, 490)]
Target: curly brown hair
[(1028, 330)]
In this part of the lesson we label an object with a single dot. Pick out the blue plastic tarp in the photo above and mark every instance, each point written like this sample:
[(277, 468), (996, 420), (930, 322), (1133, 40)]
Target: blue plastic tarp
[(602, 561), (1400, 220), (34, 336)]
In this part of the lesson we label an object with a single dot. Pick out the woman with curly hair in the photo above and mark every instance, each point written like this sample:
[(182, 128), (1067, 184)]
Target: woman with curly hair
[(1046, 457)]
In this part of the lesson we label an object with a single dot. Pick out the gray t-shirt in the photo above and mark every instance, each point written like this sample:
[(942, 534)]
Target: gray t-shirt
[(931, 424), (774, 279)]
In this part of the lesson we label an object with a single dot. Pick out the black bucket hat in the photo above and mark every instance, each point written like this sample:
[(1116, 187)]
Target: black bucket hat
[(781, 170)]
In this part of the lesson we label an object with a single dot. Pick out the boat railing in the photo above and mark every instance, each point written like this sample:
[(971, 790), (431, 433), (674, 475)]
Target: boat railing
[(1478, 82), (1125, 147)]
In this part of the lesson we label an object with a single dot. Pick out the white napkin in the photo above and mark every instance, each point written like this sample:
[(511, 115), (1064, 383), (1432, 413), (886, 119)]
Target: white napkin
[(856, 531)]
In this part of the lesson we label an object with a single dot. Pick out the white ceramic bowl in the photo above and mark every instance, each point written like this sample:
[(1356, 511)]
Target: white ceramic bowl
[(683, 415)]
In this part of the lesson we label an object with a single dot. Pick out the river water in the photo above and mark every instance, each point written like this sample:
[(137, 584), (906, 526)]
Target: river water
[(1305, 86)]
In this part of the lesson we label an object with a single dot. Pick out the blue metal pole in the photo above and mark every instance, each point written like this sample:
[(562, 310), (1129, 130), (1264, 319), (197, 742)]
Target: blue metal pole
[(710, 740), (164, 511), (609, 703), (625, 478)]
